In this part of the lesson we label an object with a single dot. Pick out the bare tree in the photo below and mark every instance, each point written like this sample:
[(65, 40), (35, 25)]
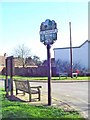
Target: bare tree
[(22, 52), (37, 61), (64, 66)]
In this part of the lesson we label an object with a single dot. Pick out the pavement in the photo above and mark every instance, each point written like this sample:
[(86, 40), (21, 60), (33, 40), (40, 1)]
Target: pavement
[(43, 101)]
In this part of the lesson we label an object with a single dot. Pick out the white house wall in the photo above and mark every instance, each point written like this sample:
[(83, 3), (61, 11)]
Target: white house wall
[(62, 54), (79, 54), (89, 56)]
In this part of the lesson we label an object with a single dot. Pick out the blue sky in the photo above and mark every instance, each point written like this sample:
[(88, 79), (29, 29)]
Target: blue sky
[(20, 24)]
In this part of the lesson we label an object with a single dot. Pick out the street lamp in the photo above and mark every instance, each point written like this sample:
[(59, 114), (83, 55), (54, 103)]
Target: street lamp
[(48, 35)]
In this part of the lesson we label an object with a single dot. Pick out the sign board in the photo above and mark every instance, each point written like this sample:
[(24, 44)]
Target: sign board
[(10, 68), (48, 32)]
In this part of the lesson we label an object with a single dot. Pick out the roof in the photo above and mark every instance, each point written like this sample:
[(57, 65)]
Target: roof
[(73, 47)]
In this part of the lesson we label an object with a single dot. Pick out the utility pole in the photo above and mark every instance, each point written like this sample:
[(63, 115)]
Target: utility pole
[(70, 51)]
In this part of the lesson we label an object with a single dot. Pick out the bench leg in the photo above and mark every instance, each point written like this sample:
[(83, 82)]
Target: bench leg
[(29, 97), (16, 91), (39, 95), (23, 93)]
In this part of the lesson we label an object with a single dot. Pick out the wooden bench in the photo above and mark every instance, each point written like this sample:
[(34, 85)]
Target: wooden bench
[(24, 86), (63, 75)]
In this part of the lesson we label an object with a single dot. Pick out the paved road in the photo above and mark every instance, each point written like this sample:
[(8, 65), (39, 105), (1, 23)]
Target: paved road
[(75, 94)]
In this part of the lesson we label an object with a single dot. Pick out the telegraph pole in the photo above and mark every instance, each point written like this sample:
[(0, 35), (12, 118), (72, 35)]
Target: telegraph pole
[(70, 51)]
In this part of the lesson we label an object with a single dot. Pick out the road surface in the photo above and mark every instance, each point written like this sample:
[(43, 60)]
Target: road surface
[(75, 94)]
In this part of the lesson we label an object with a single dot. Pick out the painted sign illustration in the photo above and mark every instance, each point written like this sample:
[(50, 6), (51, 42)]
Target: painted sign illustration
[(48, 32)]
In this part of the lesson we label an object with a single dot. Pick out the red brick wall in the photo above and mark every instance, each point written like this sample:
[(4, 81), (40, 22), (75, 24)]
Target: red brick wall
[(33, 71)]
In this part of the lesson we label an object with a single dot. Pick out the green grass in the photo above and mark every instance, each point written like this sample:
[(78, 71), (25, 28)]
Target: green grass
[(12, 110), (45, 78)]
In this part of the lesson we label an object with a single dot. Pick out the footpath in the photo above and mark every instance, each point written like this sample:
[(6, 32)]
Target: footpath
[(44, 101)]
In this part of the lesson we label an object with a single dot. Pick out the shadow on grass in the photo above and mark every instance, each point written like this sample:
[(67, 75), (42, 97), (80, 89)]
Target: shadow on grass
[(14, 98), (10, 98)]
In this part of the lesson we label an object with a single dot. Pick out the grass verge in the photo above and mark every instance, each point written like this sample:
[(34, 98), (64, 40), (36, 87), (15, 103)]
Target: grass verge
[(46, 78), (13, 110)]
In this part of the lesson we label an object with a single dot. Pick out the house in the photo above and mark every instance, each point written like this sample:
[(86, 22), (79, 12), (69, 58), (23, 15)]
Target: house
[(17, 63), (80, 54), (29, 62), (2, 63)]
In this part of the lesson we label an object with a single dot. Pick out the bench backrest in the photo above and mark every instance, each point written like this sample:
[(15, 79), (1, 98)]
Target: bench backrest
[(22, 85)]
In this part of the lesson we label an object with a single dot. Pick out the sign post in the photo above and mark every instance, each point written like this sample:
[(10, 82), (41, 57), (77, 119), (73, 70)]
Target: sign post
[(6, 81), (49, 74), (9, 72), (48, 35)]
